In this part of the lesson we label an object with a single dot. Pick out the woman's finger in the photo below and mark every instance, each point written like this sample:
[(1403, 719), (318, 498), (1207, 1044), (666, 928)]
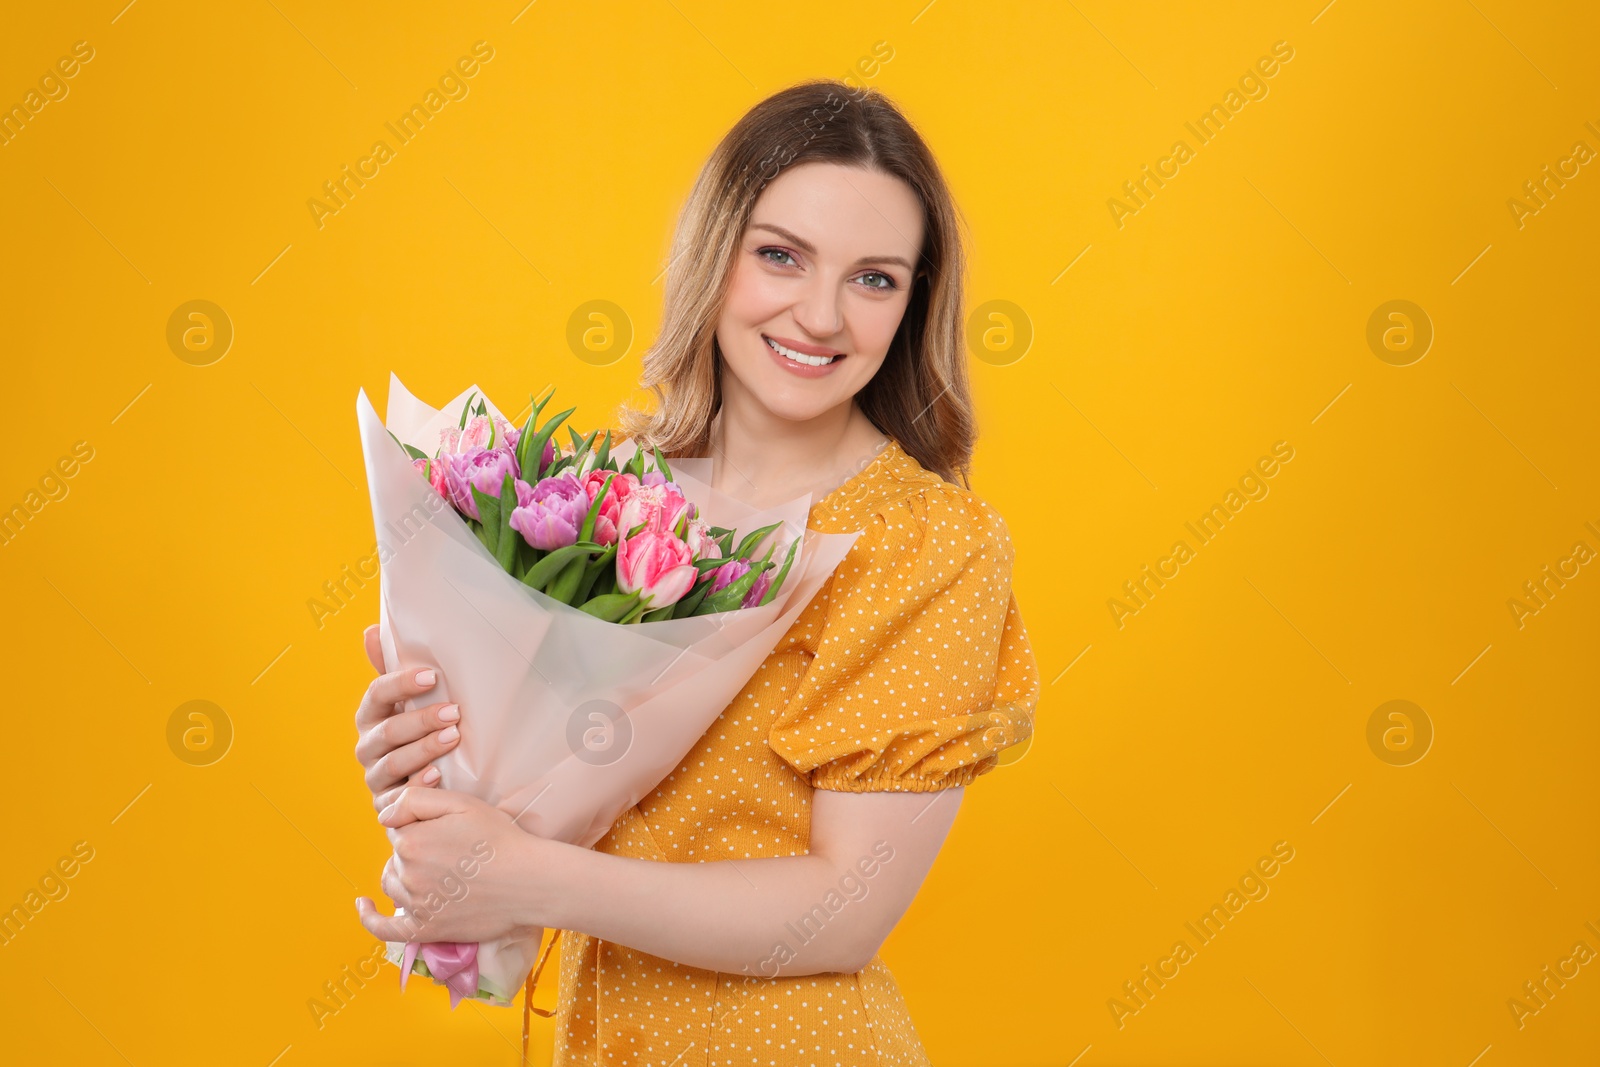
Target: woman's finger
[(374, 647), (401, 763), (387, 690), (425, 778), (389, 882), (383, 927), (403, 728), (417, 805)]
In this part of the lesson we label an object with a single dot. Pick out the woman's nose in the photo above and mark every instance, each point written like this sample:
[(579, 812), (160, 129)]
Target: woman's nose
[(818, 311)]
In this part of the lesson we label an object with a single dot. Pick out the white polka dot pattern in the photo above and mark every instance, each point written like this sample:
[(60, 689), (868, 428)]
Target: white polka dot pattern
[(908, 671)]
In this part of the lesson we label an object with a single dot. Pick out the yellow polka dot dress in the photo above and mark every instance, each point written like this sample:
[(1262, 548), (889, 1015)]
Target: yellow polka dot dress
[(909, 670)]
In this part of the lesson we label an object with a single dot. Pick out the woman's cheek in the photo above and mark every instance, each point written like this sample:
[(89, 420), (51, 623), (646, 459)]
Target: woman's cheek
[(880, 327)]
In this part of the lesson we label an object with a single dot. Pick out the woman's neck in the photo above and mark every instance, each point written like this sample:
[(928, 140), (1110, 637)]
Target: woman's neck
[(764, 465)]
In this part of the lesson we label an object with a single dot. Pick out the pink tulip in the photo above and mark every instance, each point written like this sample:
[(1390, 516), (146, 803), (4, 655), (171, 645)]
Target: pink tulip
[(606, 522), (433, 470), (658, 564), (453, 964), (479, 434), (475, 434), (701, 544), (509, 435), (660, 506)]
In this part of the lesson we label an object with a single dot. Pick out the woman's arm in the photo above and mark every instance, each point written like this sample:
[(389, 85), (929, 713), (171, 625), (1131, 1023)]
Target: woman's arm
[(829, 910)]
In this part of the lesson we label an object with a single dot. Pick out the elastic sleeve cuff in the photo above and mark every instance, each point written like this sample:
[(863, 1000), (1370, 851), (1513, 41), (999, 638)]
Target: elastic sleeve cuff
[(889, 782)]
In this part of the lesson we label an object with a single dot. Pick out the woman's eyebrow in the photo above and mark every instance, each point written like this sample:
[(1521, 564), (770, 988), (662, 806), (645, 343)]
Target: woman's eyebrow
[(810, 249)]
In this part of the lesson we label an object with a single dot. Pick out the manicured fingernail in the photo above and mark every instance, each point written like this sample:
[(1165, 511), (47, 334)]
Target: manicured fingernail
[(430, 775), (450, 713), (425, 678), (448, 734)]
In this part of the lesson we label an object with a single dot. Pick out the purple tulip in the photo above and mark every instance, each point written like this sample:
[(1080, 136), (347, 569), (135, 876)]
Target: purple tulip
[(727, 574), (485, 468), (550, 514), (758, 589)]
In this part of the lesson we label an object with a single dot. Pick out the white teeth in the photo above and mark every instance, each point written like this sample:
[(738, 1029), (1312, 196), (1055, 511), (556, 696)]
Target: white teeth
[(799, 357)]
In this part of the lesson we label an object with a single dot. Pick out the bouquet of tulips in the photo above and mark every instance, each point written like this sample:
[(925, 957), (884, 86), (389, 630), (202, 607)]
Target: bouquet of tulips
[(619, 542), (591, 610)]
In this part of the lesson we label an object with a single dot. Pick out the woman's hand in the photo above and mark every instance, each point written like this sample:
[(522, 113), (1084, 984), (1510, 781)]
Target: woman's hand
[(461, 869), (394, 746)]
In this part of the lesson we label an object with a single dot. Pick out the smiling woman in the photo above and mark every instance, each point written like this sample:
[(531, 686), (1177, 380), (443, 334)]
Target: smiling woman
[(811, 344)]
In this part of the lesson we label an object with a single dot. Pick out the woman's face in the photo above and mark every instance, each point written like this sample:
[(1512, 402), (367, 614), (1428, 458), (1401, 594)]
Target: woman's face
[(824, 267)]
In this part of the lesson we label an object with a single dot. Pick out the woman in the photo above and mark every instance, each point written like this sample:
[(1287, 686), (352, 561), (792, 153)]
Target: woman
[(812, 342)]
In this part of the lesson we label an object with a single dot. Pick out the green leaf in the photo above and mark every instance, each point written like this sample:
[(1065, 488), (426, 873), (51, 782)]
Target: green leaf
[(507, 553), (482, 534), (604, 455), (545, 571), (661, 463), (410, 450), (749, 543), (527, 434), (783, 572), (611, 607), (525, 441), (489, 515), (605, 583), (686, 606), (466, 409), (581, 446), (566, 583), (587, 530), (657, 614), (592, 572), (533, 447), (527, 556), (731, 595)]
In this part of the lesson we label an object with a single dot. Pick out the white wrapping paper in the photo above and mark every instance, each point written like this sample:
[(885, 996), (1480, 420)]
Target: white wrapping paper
[(567, 721)]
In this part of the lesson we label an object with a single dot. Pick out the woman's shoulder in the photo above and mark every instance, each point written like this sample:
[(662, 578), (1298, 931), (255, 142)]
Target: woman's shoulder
[(905, 510)]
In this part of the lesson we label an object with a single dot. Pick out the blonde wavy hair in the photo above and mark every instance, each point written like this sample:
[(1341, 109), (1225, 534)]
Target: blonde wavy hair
[(920, 396)]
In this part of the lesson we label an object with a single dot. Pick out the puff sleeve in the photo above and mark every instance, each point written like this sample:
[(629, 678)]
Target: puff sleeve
[(923, 671)]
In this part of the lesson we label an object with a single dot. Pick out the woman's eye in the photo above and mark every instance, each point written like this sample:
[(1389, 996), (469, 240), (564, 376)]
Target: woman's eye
[(884, 283)]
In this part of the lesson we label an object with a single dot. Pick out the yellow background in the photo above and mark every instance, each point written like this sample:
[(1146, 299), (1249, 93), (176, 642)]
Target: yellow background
[(1229, 313)]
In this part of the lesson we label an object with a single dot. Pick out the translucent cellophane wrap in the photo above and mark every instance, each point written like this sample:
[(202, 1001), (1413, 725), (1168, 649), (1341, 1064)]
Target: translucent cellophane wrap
[(567, 721)]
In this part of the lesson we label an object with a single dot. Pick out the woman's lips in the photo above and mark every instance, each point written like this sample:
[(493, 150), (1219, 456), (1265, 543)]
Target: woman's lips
[(802, 347), (804, 370)]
